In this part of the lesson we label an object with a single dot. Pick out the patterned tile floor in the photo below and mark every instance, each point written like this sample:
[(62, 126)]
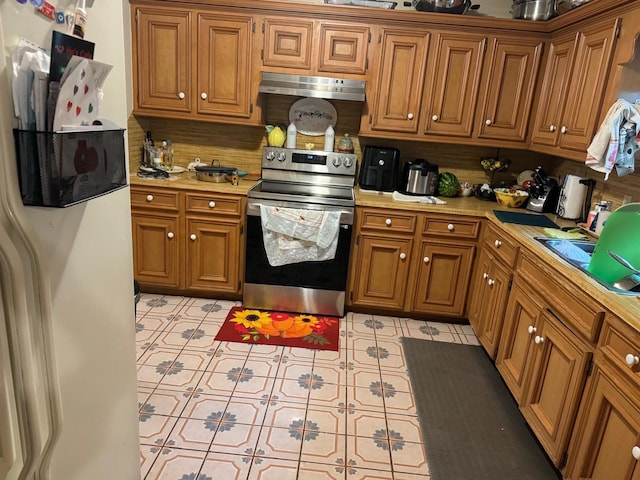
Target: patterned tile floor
[(219, 410)]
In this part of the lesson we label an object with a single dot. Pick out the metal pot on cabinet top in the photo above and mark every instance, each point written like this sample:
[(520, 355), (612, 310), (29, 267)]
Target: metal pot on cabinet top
[(445, 6)]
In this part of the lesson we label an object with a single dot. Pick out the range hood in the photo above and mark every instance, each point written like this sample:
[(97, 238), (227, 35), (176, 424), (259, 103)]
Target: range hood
[(309, 86)]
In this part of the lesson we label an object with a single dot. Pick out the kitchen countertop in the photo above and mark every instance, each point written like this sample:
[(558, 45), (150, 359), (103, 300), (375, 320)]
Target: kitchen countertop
[(627, 307)]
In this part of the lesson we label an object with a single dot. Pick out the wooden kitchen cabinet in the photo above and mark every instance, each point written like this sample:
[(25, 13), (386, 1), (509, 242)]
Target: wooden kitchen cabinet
[(316, 47), (188, 242), (542, 361), (511, 70), (572, 88), (607, 439), (194, 65), (395, 97), (452, 85), (491, 286), (399, 267)]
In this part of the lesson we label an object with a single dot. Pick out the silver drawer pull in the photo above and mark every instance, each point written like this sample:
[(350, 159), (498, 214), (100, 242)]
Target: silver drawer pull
[(632, 359)]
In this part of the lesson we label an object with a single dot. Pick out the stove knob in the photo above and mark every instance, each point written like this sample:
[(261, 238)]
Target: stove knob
[(348, 162), (337, 161), (270, 156), (282, 156)]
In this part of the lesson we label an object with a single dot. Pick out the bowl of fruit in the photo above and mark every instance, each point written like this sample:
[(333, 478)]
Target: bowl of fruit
[(511, 197)]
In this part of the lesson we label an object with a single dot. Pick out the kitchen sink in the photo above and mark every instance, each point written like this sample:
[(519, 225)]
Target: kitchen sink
[(578, 254)]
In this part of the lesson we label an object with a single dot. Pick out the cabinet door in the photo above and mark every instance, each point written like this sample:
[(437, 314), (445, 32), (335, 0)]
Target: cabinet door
[(287, 43), (493, 304), (442, 279), (224, 65), (588, 79), (162, 63), (553, 91), (212, 256), (343, 48), (478, 291), (382, 269), (155, 249), (452, 84), (514, 352), (608, 430), (512, 70), (554, 391), (399, 80)]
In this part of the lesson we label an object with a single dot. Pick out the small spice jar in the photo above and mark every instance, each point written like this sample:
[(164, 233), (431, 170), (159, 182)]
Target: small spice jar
[(345, 144)]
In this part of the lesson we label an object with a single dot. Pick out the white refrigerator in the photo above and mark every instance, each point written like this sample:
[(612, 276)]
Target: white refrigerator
[(68, 401)]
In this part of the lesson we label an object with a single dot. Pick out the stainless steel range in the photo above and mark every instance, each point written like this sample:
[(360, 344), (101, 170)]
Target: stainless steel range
[(300, 180)]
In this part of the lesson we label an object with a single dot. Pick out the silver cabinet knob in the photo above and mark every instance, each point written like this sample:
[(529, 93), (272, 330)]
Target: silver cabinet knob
[(491, 282), (149, 198), (451, 227), (635, 451), (403, 256), (539, 340), (388, 222), (192, 236), (485, 275), (212, 204), (170, 235), (181, 95), (203, 95), (488, 122), (497, 243), (426, 259), (434, 118), (552, 128), (410, 116), (564, 129), (632, 359), (531, 329)]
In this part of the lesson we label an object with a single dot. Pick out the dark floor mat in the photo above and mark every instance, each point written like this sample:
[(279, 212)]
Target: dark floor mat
[(531, 219), (470, 423)]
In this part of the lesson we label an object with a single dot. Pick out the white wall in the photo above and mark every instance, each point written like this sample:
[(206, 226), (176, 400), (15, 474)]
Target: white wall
[(88, 249)]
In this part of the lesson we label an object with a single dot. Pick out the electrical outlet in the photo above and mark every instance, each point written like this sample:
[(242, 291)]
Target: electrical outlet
[(626, 199)]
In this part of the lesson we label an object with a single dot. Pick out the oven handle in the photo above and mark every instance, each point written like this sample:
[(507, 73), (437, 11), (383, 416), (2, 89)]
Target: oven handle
[(346, 216)]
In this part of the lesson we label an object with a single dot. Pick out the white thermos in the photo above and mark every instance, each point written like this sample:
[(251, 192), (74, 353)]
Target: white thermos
[(572, 198), (329, 139)]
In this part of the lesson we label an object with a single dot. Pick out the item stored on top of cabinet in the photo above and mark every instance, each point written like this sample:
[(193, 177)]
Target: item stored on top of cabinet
[(419, 178), (312, 116), (444, 6), (379, 169), (448, 185), (364, 3), (534, 9)]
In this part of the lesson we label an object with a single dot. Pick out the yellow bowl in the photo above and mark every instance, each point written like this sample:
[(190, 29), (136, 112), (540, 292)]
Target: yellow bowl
[(511, 198)]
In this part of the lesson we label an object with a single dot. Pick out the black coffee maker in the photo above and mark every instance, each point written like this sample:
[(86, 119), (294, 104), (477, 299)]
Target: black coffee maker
[(379, 169), (544, 193)]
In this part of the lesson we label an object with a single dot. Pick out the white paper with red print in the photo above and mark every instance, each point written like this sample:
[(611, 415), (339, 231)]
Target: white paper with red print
[(78, 99)]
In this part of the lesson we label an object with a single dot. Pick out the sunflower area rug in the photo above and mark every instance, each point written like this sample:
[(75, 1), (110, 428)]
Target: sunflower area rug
[(262, 327)]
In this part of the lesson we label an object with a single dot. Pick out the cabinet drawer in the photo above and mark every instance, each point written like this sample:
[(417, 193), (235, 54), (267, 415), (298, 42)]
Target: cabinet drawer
[(501, 245), (218, 204), (154, 198), (617, 341), (582, 315), (451, 226), (389, 220)]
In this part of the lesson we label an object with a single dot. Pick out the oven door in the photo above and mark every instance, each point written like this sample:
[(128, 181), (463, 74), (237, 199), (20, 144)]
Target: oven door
[(307, 287)]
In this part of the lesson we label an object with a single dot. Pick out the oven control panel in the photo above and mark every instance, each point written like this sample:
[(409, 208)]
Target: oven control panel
[(315, 161)]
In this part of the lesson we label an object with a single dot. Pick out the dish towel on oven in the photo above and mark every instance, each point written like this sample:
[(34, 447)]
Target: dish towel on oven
[(615, 143), (294, 235)]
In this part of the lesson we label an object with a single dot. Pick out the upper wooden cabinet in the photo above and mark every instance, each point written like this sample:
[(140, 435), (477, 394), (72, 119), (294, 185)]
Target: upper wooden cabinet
[(193, 65), (572, 89), (453, 80), (511, 70), (315, 47), (466, 92), (396, 94)]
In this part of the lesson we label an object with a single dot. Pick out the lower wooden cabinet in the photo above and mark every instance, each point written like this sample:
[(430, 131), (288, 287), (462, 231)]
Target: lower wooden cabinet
[(412, 262), (187, 242), (545, 367)]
